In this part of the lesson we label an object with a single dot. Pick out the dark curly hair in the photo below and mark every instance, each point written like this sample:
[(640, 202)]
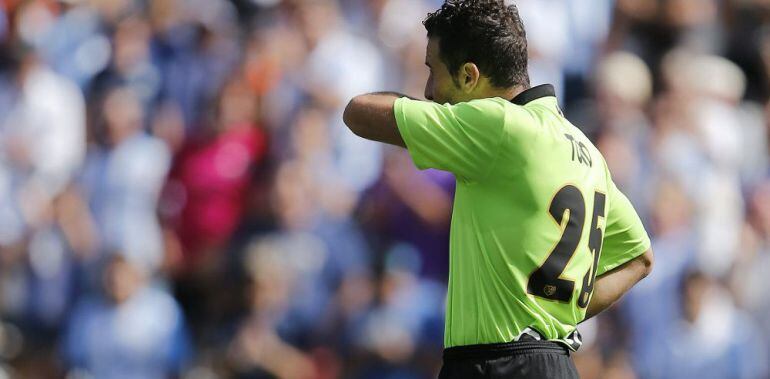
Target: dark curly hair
[(485, 32)]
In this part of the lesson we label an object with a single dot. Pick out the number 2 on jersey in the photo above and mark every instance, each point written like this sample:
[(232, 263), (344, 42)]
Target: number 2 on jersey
[(568, 209)]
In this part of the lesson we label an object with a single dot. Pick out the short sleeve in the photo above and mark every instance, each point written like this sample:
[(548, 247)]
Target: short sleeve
[(624, 235), (464, 138)]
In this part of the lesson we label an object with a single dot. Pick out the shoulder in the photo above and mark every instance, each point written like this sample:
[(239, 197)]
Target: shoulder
[(486, 111)]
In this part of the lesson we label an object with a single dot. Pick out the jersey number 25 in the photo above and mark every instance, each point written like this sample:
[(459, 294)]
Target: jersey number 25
[(568, 209)]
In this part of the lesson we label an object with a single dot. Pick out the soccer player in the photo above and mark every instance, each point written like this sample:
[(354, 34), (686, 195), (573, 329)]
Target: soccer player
[(541, 238)]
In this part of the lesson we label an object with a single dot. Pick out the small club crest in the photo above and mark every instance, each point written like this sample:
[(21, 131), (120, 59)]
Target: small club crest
[(549, 290)]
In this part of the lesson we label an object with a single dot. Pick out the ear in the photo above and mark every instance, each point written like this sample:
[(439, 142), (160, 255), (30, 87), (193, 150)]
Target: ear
[(469, 77)]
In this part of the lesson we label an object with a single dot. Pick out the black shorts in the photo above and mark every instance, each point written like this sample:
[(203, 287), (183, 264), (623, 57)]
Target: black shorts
[(527, 358)]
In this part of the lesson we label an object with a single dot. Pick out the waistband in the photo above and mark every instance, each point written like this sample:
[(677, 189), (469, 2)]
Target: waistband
[(525, 345)]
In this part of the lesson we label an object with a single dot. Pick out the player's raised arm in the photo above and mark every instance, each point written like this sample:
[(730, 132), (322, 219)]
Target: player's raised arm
[(463, 138), (371, 116)]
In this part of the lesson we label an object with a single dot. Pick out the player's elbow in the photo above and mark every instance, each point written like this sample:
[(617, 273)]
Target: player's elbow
[(352, 116), (648, 262)]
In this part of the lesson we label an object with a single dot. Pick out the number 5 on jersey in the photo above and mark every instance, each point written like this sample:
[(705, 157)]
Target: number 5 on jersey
[(568, 209)]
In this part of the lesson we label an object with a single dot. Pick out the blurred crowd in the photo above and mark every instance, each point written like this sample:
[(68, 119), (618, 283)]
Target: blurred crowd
[(180, 199)]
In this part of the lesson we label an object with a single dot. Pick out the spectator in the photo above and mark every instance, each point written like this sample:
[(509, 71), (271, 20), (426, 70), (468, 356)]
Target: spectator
[(414, 208), (211, 176), (720, 336), (275, 267), (43, 143), (333, 48), (133, 329), (656, 302), (123, 178), (408, 310)]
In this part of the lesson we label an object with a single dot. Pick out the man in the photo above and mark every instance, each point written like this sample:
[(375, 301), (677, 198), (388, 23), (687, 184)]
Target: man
[(541, 238), (132, 329)]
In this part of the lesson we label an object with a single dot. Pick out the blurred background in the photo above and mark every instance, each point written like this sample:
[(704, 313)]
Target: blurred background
[(180, 199)]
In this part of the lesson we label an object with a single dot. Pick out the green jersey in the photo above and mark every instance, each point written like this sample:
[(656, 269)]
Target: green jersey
[(536, 215)]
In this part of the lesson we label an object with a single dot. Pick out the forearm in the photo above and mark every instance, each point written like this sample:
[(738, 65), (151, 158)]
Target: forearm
[(371, 116), (610, 287)]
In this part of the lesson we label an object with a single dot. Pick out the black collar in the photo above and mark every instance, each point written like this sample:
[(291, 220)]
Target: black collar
[(533, 94)]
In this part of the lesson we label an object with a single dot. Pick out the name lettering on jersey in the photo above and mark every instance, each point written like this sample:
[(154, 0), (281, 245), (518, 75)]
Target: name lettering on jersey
[(580, 151)]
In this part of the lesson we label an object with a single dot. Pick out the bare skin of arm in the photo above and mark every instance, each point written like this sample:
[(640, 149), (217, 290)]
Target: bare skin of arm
[(611, 286), (372, 117)]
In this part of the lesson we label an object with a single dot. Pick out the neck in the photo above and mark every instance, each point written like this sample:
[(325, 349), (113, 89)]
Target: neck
[(511, 93), (488, 91)]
